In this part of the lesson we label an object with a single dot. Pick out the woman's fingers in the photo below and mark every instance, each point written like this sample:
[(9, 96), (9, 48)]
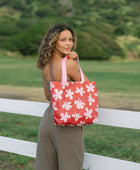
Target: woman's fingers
[(73, 55)]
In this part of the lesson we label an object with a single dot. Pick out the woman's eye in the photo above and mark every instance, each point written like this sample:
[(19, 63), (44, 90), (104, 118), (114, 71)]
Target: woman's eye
[(65, 39)]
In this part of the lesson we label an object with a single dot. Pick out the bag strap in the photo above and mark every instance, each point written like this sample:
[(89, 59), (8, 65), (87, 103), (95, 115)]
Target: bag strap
[(64, 71)]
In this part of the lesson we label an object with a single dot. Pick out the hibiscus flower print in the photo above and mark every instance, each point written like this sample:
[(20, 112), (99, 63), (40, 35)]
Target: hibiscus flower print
[(69, 94), (96, 109), (77, 116), (80, 90), (96, 94), (79, 104), (88, 113), (54, 104), (95, 119), (81, 123), (51, 86), (90, 99), (65, 116), (64, 84), (57, 94), (67, 105), (90, 87)]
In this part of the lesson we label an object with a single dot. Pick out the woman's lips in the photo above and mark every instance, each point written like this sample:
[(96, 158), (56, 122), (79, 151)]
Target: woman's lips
[(67, 49)]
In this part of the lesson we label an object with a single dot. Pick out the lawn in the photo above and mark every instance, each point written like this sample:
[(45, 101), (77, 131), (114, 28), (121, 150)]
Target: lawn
[(118, 88)]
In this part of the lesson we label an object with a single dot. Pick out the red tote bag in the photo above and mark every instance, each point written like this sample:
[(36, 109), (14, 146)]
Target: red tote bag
[(74, 103)]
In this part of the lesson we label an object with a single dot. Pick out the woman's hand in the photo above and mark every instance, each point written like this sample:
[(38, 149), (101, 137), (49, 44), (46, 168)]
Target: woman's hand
[(73, 55)]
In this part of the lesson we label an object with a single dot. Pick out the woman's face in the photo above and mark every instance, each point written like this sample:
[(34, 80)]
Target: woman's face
[(64, 43)]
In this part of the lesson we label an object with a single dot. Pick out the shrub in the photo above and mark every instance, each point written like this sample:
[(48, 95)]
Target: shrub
[(8, 28), (119, 30), (26, 42), (101, 42), (89, 48), (137, 31)]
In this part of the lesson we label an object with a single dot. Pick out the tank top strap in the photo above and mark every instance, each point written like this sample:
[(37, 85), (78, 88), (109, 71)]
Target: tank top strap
[(51, 73)]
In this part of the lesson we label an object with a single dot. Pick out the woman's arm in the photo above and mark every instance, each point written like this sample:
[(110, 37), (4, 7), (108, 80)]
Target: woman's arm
[(73, 55), (73, 70)]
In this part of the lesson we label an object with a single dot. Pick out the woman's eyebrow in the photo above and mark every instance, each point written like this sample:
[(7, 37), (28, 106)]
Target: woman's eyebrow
[(66, 37)]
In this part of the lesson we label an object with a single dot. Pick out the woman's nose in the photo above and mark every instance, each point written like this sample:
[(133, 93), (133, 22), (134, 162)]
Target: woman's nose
[(68, 42)]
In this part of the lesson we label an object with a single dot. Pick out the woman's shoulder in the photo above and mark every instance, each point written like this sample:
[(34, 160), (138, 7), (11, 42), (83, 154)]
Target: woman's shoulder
[(44, 70), (73, 70), (72, 64)]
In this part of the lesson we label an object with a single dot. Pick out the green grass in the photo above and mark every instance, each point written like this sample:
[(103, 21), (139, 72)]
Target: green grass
[(110, 77), (120, 77), (113, 142), (19, 126), (19, 72)]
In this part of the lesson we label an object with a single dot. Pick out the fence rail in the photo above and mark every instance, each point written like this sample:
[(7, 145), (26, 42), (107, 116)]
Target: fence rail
[(110, 117)]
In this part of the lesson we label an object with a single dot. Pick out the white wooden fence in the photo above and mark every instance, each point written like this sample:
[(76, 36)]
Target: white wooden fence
[(110, 117)]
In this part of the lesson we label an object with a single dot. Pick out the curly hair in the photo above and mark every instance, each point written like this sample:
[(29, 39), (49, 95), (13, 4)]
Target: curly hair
[(49, 41)]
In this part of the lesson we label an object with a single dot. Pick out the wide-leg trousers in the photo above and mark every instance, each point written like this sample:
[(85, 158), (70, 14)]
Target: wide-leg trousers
[(59, 148)]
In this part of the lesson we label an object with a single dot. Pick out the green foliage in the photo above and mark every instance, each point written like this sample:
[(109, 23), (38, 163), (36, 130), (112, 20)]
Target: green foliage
[(44, 11), (26, 42), (88, 48), (137, 31), (25, 15), (114, 4), (25, 23), (97, 24), (119, 30), (96, 44), (17, 4), (85, 6), (8, 28)]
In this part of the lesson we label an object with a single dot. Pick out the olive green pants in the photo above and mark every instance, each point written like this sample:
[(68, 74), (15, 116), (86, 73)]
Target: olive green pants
[(59, 148)]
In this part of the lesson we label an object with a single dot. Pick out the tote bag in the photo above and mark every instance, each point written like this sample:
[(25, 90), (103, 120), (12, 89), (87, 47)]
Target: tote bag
[(74, 103)]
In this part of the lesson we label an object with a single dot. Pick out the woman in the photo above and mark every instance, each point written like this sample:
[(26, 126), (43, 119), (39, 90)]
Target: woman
[(58, 148)]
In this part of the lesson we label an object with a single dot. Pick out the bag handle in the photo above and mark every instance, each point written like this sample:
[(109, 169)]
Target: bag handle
[(64, 71)]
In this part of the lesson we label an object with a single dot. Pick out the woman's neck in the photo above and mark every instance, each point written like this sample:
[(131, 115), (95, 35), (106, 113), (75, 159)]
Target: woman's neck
[(57, 55)]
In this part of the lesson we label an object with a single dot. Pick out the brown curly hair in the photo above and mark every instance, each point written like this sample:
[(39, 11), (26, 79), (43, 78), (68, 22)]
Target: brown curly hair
[(48, 43)]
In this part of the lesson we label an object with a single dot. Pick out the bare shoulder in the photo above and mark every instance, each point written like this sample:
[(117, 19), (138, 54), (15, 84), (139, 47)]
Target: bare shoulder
[(73, 70), (71, 64), (44, 71)]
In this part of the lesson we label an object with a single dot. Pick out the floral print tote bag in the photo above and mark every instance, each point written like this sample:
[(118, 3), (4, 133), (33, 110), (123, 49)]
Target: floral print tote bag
[(74, 103)]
